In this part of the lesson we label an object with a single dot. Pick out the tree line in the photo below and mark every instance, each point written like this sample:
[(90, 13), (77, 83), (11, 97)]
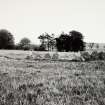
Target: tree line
[(73, 41)]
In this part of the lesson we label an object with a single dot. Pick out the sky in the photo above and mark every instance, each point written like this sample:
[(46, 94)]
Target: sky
[(31, 18)]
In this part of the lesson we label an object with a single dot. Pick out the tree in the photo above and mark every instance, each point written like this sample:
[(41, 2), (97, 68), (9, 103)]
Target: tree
[(70, 42), (63, 42), (47, 41), (25, 41), (77, 43), (42, 39), (50, 41), (24, 44), (6, 39), (52, 44)]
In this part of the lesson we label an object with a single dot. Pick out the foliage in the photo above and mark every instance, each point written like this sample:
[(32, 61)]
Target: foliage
[(70, 42), (47, 41), (77, 42), (25, 41), (6, 39), (63, 42), (24, 44)]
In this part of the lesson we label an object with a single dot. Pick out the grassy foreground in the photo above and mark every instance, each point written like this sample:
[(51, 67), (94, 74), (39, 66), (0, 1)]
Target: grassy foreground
[(30, 82)]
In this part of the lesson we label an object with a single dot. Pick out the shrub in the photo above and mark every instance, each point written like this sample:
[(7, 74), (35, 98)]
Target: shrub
[(86, 56), (55, 56), (101, 55), (47, 56), (94, 55)]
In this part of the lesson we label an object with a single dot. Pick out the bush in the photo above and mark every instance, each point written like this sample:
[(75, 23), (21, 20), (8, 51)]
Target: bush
[(47, 56), (86, 56), (101, 55), (55, 56), (94, 55)]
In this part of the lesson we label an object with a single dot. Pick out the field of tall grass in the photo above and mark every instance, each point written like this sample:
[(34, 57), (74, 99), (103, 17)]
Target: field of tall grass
[(43, 82)]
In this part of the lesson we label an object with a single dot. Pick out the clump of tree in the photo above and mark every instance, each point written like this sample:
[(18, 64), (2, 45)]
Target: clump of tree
[(47, 41), (70, 42), (24, 44), (6, 40)]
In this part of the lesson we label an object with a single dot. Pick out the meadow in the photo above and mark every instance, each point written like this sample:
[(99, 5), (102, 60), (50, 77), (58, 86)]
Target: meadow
[(45, 82)]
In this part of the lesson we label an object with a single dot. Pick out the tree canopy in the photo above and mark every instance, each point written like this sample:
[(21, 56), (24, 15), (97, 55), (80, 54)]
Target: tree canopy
[(70, 42), (6, 39), (24, 44)]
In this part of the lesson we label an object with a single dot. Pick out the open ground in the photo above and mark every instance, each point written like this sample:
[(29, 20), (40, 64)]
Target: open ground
[(42, 82)]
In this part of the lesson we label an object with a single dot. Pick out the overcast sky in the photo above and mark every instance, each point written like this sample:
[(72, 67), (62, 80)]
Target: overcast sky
[(30, 18)]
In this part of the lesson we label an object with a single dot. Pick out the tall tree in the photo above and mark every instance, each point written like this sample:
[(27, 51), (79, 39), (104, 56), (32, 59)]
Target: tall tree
[(63, 42), (77, 42), (42, 39), (70, 42), (48, 39), (6, 39)]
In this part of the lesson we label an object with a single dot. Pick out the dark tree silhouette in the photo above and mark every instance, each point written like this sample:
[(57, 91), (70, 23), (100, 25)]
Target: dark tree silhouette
[(6, 39), (43, 43), (48, 38), (47, 41), (50, 41), (70, 42), (63, 42), (77, 43)]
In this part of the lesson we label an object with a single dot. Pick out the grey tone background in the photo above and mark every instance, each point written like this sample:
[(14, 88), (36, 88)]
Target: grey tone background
[(30, 18)]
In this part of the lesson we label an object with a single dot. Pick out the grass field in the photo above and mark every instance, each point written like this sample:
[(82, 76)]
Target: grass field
[(36, 82)]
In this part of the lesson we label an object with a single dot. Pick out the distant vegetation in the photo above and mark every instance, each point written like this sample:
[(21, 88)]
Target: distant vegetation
[(72, 41), (6, 40)]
